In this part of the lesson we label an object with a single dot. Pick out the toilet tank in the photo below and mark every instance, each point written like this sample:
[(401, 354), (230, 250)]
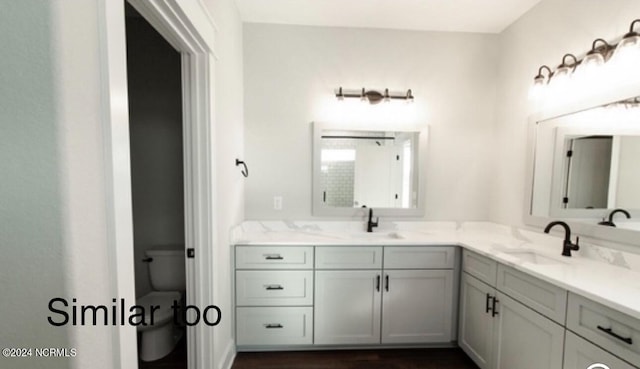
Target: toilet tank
[(166, 269)]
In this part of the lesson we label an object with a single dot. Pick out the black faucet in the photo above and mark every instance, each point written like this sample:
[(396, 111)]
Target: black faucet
[(610, 222), (567, 245), (370, 222)]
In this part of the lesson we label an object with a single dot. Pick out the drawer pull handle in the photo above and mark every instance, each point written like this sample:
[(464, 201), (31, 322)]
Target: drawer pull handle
[(487, 303), (494, 312), (273, 257), (272, 326), (274, 287), (610, 332)]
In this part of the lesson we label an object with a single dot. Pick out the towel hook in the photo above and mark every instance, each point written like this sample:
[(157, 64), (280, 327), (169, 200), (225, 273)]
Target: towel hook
[(245, 171)]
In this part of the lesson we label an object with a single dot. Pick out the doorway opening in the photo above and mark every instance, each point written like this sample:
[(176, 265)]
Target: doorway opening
[(156, 129)]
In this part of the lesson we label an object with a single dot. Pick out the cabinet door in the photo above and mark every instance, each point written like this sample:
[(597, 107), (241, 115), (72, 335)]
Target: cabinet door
[(347, 309), (581, 354), (525, 339), (476, 323), (417, 306)]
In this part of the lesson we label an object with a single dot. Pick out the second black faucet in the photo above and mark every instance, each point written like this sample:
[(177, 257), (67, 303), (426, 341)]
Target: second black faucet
[(567, 245), (370, 223)]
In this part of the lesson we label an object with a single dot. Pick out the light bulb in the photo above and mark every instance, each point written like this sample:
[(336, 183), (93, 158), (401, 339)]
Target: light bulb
[(539, 82), (536, 89), (591, 73), (626, 57)]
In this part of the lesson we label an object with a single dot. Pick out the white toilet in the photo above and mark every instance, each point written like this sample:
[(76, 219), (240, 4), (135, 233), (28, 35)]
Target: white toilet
[(167, 272)]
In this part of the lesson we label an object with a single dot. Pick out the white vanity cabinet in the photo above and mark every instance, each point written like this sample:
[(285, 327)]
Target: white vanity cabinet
[(524, 339), (348, 293), (418, 294), (274, 295), (580, 354), (611, 330), (476, 322), (389, 295), (498, 331), (347, 309)]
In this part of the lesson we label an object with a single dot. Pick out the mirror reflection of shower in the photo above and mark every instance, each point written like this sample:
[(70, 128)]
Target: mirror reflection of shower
[(369, 168)]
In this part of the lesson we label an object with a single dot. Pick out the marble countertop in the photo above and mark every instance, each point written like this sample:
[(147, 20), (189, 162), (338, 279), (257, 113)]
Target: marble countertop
[(604, 275)]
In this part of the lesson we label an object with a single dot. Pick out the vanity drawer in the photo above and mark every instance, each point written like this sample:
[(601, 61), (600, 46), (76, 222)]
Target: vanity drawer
[(480, 267), (580, 354), (274, 288), (348, 257), (419, 257), (274, 326), (541, 296), (612, 330), (274, 257)]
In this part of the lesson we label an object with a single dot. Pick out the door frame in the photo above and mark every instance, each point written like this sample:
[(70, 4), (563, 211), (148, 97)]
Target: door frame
[(190, 29)]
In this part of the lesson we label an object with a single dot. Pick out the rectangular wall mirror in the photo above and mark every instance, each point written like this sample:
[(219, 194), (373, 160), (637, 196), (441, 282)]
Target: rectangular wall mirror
[(356, 167), (587, 163)]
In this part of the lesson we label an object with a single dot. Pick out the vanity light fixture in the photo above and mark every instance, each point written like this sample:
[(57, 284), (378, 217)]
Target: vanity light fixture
[(601, 54), (374, 96)]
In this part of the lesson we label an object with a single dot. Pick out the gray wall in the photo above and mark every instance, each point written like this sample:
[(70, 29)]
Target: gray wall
[(290, 75), (32, 220), (229, 145)]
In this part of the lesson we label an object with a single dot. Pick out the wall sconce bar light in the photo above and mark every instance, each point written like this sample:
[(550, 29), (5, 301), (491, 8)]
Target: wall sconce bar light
[(601, 52), (374, 96), (632, 103)]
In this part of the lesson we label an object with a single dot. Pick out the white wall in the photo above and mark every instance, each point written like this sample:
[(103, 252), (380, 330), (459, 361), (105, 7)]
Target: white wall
[(541, 36), (228, 147), (53, 226), (291, 73), (155, 128), (627, 195)]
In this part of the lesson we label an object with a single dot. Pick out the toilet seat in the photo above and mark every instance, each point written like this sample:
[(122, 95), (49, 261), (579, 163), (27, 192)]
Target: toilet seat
[(163, 299)]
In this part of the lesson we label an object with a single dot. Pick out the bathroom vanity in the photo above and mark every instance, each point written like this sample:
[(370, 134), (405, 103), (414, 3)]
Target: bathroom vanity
[(345, 295), (508, 302)]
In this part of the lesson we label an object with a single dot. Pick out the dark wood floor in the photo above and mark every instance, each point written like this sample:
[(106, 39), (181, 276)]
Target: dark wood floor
[(452, 358), (177, 359)]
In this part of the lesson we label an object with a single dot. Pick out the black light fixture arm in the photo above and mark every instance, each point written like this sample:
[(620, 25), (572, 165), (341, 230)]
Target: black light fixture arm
[(541, 69), (605, 47), (245, 170), (573, 65), (631, 27)]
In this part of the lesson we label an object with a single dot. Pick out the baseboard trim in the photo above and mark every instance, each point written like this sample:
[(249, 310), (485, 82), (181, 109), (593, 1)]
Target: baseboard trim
[(229, 356)]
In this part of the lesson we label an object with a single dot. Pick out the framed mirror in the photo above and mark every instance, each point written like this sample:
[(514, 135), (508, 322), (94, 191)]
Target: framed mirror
[(585, 163), (379, 168)]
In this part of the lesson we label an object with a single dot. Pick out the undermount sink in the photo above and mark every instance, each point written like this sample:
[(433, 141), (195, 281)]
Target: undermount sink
[(377, 235), (533, 257)]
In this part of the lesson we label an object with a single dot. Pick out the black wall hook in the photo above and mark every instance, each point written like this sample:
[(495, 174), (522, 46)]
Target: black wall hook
[(245, 171)]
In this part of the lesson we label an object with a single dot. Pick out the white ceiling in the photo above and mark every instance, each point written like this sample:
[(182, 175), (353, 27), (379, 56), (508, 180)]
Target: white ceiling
[(487, 16)]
